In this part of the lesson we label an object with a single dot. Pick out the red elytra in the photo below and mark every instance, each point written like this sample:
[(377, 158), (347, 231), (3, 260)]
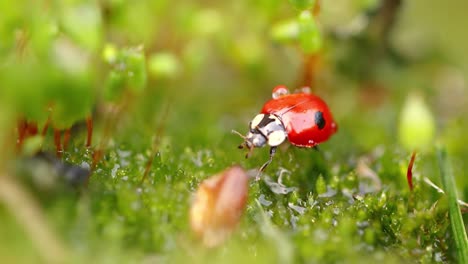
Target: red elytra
[(302, 118), (306, 117)]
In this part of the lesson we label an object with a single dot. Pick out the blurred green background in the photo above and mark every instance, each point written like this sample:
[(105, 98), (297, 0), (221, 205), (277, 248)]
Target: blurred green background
[(184, 74)]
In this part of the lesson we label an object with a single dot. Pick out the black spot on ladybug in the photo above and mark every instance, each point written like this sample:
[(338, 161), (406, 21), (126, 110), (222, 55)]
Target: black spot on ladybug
[(319, 120)]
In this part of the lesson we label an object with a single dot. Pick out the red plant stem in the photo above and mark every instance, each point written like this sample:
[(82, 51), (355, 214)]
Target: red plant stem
[(31, 129), (89, 125), (316, 8), (22, 126), (66, 138), (409, 172), (25, 130), (57, 142), (99, 150), (310, 69), (156, 141), (97, 155), (147, 168), (46, 126)]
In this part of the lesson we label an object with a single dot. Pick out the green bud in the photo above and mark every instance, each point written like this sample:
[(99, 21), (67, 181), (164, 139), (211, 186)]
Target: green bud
[(83, 24), (320, 185), (43, 31), (128, 72), (310, 39), (368, 4), (109, 53), (417, 126), (136, 68), (302, 4), (285, 31), (115, 84), (73, 101), (164, 65)]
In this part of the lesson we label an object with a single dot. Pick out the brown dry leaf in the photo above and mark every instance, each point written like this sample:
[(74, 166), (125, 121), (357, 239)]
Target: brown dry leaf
[(218, 205)]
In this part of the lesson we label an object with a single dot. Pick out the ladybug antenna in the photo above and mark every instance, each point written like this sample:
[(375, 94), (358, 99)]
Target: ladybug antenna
[(244, 144), (239, 134)]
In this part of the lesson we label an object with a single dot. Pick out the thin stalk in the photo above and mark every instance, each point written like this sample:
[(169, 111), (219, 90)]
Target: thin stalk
[(156, 141)]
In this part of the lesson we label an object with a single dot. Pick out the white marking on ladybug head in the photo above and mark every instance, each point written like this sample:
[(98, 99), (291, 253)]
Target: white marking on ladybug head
[(276, 138), (265, 129), (256, 121)]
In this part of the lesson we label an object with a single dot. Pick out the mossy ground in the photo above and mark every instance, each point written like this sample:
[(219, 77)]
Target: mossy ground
[(323, 210)]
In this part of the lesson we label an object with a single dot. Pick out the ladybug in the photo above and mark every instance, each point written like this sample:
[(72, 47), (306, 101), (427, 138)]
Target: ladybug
[(302, 118)]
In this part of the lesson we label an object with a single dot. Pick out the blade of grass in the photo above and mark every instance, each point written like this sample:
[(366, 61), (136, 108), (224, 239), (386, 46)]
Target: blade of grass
[(456, 220), (28, 213)]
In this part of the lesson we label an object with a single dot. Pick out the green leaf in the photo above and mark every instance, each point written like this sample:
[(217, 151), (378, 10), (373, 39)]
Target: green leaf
[(456, 220)]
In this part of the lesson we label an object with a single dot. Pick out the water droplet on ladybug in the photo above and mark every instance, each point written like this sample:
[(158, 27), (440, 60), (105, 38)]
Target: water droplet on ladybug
[(305, 89), (279, 91)]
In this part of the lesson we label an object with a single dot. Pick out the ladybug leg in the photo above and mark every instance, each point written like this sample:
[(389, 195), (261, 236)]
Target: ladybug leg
[(272, 153), (248, 154), (316, 148)]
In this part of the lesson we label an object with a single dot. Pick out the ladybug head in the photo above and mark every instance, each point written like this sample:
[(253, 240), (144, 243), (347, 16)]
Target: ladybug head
[(264, 129)]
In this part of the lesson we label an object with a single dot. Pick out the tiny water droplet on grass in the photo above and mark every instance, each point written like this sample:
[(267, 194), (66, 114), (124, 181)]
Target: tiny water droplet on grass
[(264, 201), (277, 187), (301, 210)]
